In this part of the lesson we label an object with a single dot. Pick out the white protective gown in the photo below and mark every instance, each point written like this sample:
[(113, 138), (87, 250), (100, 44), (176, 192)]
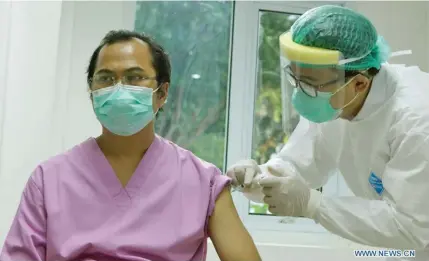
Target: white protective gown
[(389, 138)]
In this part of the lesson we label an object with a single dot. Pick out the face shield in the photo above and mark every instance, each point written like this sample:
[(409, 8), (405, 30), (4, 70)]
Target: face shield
[(313, 81)]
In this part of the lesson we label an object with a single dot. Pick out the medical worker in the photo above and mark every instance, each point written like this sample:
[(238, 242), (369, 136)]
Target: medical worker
[(360, 116), (127, 194)]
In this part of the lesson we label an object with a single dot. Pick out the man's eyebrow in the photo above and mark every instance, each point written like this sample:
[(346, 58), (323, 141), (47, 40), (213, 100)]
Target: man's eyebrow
[(132, 69), (106, 71), (135, 69), (290, 71), (307, 77)]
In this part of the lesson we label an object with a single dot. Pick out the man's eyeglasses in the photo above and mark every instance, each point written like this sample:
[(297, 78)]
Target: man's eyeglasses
[(308, 89), (101, 81)]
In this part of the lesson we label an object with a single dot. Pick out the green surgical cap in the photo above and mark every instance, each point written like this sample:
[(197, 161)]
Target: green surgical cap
[(342, 29)]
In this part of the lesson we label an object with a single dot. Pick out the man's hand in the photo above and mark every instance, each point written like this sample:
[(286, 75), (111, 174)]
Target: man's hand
[(289, 195)]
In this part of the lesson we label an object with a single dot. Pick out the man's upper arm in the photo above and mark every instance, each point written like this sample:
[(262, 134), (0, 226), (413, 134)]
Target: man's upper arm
[(228, 234), (27, 236)]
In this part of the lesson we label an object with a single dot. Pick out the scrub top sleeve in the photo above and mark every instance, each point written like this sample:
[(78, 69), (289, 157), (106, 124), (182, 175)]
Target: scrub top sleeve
[(304, 154), (27, 236), (217, 184), (401, 219)]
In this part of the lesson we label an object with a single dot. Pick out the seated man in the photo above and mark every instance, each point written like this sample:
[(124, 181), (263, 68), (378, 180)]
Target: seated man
[(128, 194)]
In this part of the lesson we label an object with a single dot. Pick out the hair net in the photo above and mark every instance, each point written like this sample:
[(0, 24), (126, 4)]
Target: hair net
[(342, 29)]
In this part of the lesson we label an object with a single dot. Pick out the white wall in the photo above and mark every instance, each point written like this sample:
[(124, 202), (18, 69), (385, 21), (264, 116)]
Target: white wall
[(403, 24), (44, 106)]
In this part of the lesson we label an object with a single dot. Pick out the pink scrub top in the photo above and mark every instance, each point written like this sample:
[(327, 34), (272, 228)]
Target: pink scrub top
[(75, 208)]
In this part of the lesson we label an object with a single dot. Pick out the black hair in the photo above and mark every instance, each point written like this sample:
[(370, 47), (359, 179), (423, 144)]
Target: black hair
[(160, 59), (371, 72)]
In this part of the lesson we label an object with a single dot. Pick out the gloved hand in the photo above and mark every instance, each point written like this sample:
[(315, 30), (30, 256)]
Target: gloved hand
[(245, 176), (243, 173), (289, 195)]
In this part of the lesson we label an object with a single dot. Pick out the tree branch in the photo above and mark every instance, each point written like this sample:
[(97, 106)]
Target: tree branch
[(212, 117)]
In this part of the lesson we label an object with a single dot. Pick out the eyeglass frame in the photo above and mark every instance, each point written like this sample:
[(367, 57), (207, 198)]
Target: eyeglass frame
[(318, 87), (115, 80)]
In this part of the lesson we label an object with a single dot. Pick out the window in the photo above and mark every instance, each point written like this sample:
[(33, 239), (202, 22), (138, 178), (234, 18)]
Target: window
[(268, 133), (196, 35)]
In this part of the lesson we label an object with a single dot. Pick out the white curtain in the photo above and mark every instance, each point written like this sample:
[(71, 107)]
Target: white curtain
[(45, 47), (28, 65)]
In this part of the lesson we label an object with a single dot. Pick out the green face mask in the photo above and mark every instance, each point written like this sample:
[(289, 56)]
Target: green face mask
[(317, 109), (124, 109)]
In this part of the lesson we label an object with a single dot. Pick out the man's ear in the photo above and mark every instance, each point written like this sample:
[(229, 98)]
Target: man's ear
[(90, 94), (163, 93), (361, 83)]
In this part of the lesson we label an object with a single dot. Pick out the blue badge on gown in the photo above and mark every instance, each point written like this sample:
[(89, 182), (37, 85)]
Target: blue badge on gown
[(376, 183)]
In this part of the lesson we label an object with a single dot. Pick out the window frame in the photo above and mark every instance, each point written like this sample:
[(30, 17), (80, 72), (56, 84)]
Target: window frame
[(240, 121)]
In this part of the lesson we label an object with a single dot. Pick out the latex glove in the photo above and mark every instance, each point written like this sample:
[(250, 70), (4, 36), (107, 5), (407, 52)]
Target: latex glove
[(245, 176), (243, 173), (289, 195)]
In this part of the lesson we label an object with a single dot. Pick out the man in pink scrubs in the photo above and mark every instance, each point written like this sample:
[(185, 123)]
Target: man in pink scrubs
[(128, 194)]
